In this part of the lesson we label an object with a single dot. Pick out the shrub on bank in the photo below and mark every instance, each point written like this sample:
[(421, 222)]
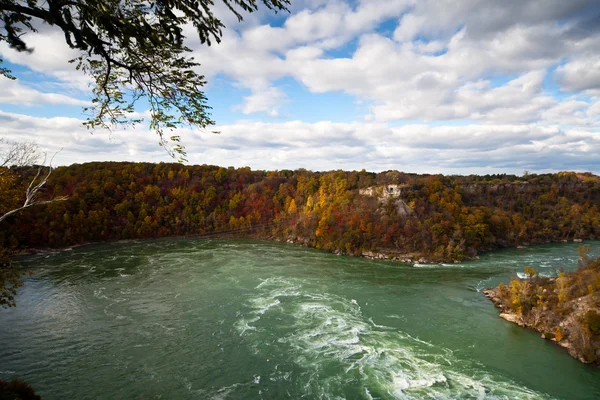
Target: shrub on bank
[(16, 389)]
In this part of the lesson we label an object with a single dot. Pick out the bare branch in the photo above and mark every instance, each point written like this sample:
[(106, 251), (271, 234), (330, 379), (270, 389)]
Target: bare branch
[(35, 185), (17, 154)]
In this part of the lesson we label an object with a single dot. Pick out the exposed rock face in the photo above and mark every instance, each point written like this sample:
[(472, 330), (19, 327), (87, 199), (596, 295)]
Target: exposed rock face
[(387, 193), (403, 208), (508, 315), (395, 256)]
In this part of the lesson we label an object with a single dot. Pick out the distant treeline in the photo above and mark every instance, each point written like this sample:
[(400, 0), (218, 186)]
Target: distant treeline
[(440, 218)]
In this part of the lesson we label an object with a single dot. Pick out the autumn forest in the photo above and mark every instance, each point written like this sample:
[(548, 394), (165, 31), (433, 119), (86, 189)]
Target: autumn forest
[(389, 214)]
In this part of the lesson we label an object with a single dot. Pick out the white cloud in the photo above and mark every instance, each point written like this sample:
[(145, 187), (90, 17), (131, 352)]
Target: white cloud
[(267, 101), (485, 63), (327, 145), (580, 73), (77, 144), (50, 56), (459, 44), (12, 92), (254, 57)]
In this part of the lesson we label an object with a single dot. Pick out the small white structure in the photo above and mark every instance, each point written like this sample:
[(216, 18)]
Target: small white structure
[(383, 192)]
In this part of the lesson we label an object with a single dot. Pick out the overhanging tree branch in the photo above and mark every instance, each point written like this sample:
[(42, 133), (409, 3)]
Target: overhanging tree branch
[(133, 49)]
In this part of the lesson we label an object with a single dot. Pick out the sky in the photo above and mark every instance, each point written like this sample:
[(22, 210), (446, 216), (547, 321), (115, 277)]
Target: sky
[(426, 86)]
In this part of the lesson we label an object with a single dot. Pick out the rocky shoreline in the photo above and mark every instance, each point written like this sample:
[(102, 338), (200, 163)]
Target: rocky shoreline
[(388, 255), (410, 258), (491, 293), (565, 332), (397, 256)]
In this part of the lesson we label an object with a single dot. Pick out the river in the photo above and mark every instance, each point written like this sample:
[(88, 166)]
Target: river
[(244, 319)]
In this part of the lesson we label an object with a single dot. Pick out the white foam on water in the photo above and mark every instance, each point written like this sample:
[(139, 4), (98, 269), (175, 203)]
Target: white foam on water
[(223, 393), (441, 265), (330, 333), (98, 293), (400, 317), (380, 326), (313, 307), (402, 382), (422, 265), (243, 325), (482, 284), (271, 290), (263, 305)]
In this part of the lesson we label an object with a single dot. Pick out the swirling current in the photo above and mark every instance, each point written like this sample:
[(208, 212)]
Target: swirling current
[(244, 319)]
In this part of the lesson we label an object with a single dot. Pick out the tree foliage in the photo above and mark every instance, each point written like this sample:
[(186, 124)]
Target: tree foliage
[(435, 217), (17, 389), (133, 50)]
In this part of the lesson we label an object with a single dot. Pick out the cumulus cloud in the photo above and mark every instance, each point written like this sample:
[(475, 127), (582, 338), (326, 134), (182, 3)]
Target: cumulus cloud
[(453, 86), (267, 101), (50, 56), (77, 144), (580, 74), (12, 92), (437, 49), (255, 56), (327, 145)]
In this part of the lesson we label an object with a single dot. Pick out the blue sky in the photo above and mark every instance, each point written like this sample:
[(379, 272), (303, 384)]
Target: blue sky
[(471, 86)]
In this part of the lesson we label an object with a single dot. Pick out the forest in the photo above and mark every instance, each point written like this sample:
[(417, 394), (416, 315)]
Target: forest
[(396, 215)]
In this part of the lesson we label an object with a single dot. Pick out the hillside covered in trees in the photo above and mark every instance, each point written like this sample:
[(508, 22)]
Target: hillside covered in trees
[(390, 214)]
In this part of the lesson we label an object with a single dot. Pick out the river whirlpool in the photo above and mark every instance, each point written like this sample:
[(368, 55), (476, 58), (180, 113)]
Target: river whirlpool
[(244, 319)]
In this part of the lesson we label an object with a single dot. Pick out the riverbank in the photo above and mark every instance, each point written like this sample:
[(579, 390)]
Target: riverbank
[(564, 310), (394, 255)]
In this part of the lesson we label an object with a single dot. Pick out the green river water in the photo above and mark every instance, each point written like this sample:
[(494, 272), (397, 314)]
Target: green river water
[(242, 319)]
